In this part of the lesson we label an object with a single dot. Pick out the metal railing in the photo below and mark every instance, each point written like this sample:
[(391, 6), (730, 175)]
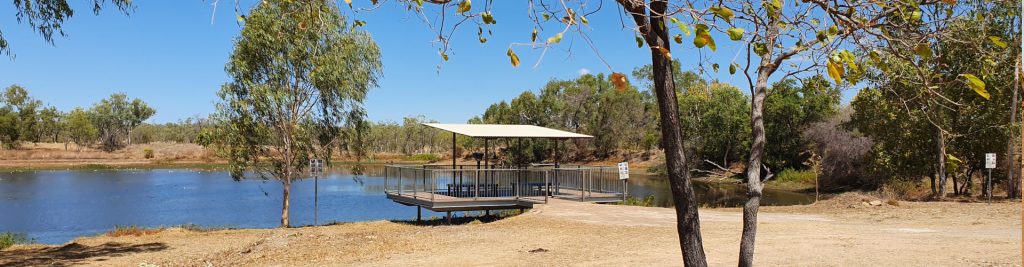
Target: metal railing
[(535, 184)]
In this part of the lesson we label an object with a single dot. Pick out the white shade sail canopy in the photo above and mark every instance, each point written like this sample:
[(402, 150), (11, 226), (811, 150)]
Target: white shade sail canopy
[(505, 131)]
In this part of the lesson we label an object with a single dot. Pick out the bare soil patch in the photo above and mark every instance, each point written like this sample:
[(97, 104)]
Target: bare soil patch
[(830, 233)]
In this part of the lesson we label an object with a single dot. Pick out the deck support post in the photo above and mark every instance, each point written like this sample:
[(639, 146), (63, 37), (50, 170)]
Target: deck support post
[(419, 210), (449, 218)]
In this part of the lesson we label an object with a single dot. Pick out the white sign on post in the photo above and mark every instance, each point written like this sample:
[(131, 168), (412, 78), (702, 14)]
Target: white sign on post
[(316, 166), (623, 170), (990, 160)]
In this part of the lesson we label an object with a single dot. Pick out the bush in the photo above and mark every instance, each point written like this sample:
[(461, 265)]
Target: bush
[(131, 230), (796, 176), (842, 153), (643, 202), (425, 157), (9, 239), (148, 153)]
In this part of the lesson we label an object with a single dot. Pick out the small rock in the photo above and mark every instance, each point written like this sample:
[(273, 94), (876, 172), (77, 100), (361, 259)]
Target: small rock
[(875, 203), (538, 250)]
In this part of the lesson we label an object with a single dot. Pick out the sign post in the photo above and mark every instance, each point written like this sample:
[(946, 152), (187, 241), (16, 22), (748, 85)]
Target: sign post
[(624, 176), (316, 167), (990, 163)]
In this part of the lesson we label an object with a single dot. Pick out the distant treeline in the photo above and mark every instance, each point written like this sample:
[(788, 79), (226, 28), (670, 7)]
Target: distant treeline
[(108, 123), (624, 123)]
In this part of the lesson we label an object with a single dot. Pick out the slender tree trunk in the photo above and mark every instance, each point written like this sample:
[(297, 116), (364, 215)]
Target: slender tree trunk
[(956, 185), (1012, 177), (754, 185), (940, 141), (687, 217), (932, 177), (287, 184)]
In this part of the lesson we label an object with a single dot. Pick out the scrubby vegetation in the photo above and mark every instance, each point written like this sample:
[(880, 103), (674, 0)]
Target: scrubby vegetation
[(8, 239)]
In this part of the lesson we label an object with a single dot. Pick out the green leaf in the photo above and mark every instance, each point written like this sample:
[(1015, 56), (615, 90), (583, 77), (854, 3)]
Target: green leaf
[(815, 22), (735, 34), (639, 41), (732, 68), (703, 38), (488, 18), (923, 51), (678, 38), (835, 70), (554, 39), (722, 12), (584, 20), (682, 26), (997, 41), (977, 85), (714, 67), (760, 49), (915, 16), (464, 6), (513, 57), (533, 38), (444, 56)]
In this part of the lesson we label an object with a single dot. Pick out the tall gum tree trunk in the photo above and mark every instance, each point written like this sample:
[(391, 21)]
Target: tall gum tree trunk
[(1012, 178), (940, 141), (687, 217)]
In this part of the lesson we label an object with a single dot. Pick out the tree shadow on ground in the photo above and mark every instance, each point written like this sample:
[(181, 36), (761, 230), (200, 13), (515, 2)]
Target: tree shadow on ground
[(73, 254), (460, 220)]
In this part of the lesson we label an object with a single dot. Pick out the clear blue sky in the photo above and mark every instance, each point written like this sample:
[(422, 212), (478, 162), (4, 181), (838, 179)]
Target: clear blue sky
[(168, 53)]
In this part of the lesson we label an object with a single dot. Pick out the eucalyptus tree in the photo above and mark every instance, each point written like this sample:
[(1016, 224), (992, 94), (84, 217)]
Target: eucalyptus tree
[(79, 128), (298, 72), (47, 17), (950, 77), (116, 116), (18, 114), (50, 124)]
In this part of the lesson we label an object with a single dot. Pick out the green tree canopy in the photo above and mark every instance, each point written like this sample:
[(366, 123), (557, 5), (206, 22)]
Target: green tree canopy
[(298, 72)]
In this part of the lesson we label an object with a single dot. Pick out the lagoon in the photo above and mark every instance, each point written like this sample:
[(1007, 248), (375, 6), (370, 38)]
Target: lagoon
[(54, 207)]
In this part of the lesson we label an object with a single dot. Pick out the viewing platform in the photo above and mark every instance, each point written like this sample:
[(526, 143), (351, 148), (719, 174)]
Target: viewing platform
[(467, 188)]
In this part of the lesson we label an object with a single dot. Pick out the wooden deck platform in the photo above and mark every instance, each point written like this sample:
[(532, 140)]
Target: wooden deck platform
[(441, 202)]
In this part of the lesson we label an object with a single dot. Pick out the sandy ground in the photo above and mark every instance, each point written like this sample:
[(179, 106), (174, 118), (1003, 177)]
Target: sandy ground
[(832, 233)]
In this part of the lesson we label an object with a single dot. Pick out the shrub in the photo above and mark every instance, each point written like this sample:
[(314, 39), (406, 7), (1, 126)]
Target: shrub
[(131, 230), (148, 153), (796, 176), (643, 202), (842, 153), (9, 239), (425, 157)]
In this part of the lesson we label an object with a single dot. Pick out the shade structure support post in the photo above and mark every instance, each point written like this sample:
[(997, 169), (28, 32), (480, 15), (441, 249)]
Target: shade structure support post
[(419, 211), (453, 151)]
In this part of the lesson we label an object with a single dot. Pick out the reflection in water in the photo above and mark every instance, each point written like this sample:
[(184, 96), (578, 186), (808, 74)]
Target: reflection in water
[(56, 206), (710, 194)]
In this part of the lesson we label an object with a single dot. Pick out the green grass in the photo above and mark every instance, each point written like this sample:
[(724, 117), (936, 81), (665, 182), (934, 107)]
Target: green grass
[(9, 239), (643, 202), (424, 157), (796, 176)]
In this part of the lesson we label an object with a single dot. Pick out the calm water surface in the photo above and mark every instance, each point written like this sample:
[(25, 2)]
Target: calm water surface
[(57, 206)]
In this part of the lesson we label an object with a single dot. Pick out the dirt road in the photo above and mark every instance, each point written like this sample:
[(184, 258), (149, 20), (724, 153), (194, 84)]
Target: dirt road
[(840, 232)]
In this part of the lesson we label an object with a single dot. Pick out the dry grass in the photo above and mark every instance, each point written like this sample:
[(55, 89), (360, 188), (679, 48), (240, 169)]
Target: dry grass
[(54, 155), (132, 230)]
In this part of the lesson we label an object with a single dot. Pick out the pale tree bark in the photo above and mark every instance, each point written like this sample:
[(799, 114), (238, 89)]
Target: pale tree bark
[(759, 92), (940, 170), (1012, 177), (754, 183), (687, 217)]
